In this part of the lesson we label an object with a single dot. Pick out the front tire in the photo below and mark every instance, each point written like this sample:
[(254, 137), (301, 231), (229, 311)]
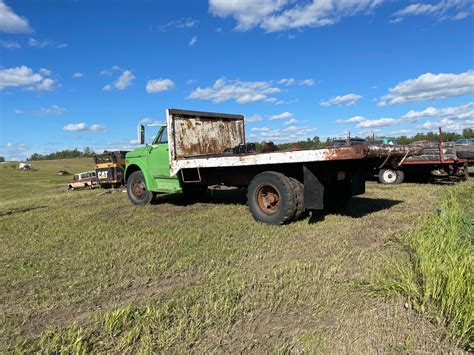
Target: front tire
[(271, 198), (137, 191)]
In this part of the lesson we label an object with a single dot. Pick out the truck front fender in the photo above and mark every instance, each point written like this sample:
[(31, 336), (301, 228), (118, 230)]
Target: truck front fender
[(139, 166)]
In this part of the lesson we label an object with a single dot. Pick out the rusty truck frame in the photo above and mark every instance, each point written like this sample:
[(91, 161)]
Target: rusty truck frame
[(205, 148)]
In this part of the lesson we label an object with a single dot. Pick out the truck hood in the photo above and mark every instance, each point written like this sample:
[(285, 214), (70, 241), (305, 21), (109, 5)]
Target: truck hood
[(139, 152)]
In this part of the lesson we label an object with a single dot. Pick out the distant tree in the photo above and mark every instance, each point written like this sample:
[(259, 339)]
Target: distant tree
[(468, 133), (2, 159), (88, 152), (63, 154)]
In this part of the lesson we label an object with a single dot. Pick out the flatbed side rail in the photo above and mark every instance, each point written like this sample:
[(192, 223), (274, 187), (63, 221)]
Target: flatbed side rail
[(288, 157)]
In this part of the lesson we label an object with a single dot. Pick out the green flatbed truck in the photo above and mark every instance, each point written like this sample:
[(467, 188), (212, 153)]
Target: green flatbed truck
[(194, 150)]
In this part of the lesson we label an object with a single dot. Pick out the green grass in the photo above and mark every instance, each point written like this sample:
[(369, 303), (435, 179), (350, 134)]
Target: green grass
[(436, 270), (86, 272), (18, 184)]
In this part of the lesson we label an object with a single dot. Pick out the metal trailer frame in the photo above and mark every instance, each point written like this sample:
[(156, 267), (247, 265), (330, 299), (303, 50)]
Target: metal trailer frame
[(441, 160)]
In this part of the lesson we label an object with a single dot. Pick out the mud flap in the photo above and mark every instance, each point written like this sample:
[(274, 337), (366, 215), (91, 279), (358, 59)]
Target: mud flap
[(313, 190), (358, 183)]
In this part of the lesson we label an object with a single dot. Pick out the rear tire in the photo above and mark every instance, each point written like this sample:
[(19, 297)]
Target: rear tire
[(298, 189), (388, 176), (271, 198), (137, 191)]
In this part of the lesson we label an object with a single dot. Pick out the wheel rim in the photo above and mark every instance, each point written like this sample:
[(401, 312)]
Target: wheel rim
[(268, 199), (138, 189), (390, 176)]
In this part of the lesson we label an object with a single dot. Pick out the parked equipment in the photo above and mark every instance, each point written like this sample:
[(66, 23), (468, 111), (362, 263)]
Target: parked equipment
[(86, 179), (465, 149), (191, 152), (109, 167), (438, 160)]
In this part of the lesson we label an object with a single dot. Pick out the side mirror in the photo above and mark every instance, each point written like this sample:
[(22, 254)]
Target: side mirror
[(141, 133)]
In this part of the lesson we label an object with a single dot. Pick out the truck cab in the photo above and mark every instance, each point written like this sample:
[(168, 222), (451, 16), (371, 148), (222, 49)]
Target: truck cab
[(150, 165)]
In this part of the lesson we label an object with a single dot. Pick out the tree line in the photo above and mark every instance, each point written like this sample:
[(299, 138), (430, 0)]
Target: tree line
[(63, 154), (316, 142)]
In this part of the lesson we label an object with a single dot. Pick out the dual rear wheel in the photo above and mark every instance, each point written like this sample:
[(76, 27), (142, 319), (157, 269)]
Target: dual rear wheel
[(274, 198)]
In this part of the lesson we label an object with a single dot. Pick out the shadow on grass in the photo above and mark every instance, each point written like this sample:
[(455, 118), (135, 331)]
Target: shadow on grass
[(21, 210), (358, 206), (213, 196)]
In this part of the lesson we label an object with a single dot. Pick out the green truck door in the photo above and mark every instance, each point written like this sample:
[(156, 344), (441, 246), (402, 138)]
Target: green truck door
[(159, 164)]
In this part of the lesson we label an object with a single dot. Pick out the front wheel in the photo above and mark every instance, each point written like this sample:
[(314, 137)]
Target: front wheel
[(136, 189)]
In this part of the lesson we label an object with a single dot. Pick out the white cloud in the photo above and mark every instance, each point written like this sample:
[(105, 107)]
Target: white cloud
[(14, 151), (181, 23), (77, 75), (458, 112), (76, 127), (111, 71), (54, 110), (443, 10), (260, 129), (32, 42), (348, 100), (123, 81), (254, 119), (291, 122), (45, 85), (19, 111), (287, 82), (450, 118), (159, 85), (379, 122), (193, 41), (281, 116), (400, 132), (447, 125), (241, 91), (24, 76), (11, 44), (429, 87), (11, 22), (279, 15), (45, 72), (292, 81), (150, 121), (355, 119), (307, 82)]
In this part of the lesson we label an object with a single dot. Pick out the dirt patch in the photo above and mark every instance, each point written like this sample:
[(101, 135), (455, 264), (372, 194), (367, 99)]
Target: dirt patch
[(137, 293)]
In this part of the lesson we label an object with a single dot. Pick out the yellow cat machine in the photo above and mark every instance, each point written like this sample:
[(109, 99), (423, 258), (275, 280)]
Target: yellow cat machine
[(109, 168)]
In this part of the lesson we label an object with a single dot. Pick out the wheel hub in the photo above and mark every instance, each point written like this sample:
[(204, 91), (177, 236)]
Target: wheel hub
[(139, 189), (390, 176), (268, 199)]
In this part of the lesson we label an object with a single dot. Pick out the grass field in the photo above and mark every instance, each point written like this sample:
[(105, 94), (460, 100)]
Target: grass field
[(86, 271)]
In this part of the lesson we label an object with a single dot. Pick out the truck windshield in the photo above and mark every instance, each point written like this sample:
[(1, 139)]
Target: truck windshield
[(162, 136)]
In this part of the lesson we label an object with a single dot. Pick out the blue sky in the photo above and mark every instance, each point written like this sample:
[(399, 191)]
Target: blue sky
[(84, 73)]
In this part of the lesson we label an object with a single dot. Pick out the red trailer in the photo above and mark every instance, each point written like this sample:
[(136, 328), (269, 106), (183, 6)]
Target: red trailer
[(437, 161)]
